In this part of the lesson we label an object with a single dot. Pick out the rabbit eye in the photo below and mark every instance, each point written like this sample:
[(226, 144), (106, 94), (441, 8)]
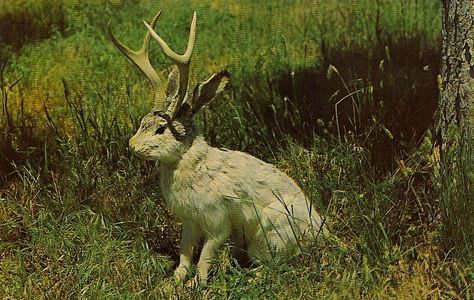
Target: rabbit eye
[(160, 130)]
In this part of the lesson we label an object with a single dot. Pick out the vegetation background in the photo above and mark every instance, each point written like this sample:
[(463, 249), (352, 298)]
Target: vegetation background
[(339, 94)]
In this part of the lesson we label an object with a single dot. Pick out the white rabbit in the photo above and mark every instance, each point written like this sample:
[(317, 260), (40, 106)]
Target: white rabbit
[(217, 194)]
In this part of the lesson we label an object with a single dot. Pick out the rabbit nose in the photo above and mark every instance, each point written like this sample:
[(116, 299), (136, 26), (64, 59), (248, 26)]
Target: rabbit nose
[(131, 143)]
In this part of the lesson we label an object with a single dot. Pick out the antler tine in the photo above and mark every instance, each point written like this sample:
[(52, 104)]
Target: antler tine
[(182, 61), (178, 59), (141, 60)]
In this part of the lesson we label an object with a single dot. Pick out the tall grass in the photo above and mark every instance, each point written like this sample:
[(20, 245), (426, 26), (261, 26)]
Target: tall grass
[(327, 91), (456, 196)]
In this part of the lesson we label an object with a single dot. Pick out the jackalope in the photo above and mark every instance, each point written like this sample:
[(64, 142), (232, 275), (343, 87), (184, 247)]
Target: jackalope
[(217, 194)]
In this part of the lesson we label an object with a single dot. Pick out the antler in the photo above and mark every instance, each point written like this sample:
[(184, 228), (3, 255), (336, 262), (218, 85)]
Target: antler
[(181, 61), (141, 60)]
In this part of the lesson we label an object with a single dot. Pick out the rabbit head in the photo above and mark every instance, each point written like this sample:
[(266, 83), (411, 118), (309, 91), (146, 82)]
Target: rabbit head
[(160, 138), (167, 131)]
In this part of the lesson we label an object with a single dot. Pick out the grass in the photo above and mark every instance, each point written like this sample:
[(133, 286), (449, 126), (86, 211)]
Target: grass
[(22, 22), (455, 190), (339, 95)]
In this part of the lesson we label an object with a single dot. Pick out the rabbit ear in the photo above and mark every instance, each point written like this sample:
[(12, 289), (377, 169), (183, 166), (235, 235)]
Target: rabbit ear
[(172, 87), (204, 93)]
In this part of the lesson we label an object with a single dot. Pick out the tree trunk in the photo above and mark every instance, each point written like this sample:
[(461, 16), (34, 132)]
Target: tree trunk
[(456, 103), (455, 126)]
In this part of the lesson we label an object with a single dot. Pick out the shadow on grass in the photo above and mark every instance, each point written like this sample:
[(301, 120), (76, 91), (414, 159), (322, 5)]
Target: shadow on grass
[(382, 100), (22, 22)]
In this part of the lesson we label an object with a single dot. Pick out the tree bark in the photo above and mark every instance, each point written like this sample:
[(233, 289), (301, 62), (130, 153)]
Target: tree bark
[(454, 148), (456, 103)]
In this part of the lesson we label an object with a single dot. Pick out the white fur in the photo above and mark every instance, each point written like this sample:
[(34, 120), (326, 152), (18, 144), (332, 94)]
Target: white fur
[(220, 194)]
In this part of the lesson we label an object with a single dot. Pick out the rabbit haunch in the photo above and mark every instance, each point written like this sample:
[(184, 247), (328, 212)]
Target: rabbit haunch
[(217, 194)]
